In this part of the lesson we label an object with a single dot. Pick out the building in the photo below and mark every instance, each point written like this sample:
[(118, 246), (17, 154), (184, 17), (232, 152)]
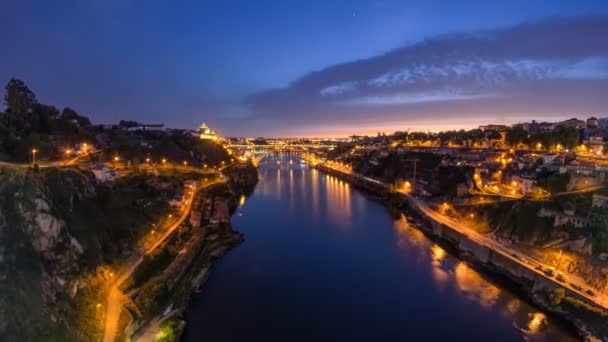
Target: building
[(599, 201), (103, 173), (568, 217), (147, 127), (177, 201), (574, 123), (593, 122), (205, 133), (526, 184), (190, 184), (499, 128)]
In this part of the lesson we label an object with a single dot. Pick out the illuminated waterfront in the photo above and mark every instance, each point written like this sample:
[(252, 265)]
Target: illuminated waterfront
[(321, 261)]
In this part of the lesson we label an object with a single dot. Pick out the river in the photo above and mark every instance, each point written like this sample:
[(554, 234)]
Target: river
[(322, 261)]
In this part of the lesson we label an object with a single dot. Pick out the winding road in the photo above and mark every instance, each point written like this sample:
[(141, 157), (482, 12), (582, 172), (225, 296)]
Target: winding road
[(116, 299)]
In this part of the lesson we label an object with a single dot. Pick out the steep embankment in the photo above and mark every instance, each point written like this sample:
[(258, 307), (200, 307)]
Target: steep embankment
[(58, 227)]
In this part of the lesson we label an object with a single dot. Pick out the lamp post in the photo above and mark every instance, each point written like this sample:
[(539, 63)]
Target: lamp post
[(34, 156), (559, 262)]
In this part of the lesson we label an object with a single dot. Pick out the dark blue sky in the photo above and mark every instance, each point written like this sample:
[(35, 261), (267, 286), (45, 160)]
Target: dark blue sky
[(311, 67)]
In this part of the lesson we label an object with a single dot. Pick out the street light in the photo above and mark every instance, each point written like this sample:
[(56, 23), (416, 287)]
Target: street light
[(185, 163), (34, 155), (164, 161)]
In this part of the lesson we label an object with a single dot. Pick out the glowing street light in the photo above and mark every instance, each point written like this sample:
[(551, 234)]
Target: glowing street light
[(164, 161), (185, 163), (34, 155)]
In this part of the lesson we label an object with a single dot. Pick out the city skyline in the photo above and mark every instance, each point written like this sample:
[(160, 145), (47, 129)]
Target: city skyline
[(365, 67)]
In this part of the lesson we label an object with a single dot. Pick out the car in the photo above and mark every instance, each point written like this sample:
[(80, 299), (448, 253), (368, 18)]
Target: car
[(560, 278), (549, 272), (589, 292), (576, 287)]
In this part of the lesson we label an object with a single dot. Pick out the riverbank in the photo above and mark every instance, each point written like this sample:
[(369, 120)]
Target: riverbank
[(160, 289), (589, 321)]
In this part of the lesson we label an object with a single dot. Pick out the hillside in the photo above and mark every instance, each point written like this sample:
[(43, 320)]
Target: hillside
[(58, 227)]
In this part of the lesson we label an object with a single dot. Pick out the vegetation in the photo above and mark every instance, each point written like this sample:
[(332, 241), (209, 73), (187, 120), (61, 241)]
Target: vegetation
[(519, 220), (557, 183), (557, 296), (152, 297), (27, 124), (567, 137), (598, 218), (168, 332)]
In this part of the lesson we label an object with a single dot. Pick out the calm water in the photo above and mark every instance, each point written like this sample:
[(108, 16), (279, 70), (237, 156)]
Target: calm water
[(321, 261)]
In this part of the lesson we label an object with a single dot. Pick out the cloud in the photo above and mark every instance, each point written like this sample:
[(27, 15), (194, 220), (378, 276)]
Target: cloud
[(411, 98), (535, 65)]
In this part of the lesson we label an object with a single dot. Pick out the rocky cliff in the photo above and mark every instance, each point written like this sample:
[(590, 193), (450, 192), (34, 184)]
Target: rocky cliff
[(58, 228)]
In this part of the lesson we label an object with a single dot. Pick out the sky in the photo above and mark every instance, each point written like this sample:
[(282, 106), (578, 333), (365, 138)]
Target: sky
[(311, 68)]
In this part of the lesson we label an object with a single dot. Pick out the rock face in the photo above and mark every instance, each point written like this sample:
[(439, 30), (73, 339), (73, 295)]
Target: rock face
[(38, 257), (41, 226)]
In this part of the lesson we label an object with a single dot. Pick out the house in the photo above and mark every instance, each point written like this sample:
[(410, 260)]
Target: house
[(569, 217), (190, 184), (177, 200), (525, 183), (599, 201), (103, 173)]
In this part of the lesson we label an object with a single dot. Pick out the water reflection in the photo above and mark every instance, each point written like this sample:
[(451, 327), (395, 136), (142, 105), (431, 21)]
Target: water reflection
[(338, 202), (358, 275), (449, 272), (474, 286)]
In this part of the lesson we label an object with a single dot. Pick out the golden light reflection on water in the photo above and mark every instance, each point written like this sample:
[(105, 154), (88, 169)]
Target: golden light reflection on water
[(537, 322), (513, 305), (330, 197), (339, 207), (242, 201), (474, 286)]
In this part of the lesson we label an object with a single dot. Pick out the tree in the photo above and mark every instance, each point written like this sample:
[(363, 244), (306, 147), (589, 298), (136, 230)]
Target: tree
[(69, 114), (598, 220), (516, 136), (557, 296), (18, 98)]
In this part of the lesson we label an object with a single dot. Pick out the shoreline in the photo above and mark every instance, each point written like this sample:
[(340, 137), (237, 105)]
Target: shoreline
[(538, 297), (218, 239)]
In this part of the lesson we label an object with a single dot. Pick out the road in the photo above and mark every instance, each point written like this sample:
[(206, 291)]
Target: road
[(43, 165), (570, 282), (116, 299)]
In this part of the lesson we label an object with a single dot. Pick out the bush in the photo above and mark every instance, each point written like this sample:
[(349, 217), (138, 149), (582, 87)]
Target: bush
[(152, 297), (557, 296)]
